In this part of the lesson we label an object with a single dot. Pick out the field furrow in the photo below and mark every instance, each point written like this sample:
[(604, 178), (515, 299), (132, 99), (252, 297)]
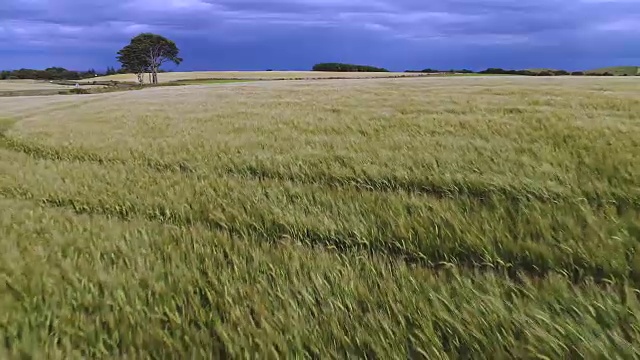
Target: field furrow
[(534, 236), (430, 183)]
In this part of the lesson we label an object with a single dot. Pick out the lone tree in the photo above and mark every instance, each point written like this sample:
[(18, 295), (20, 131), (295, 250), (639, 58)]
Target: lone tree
[(146, 53)]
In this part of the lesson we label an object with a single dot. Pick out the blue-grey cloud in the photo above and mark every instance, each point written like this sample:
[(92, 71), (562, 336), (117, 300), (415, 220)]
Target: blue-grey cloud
[(221, 33)]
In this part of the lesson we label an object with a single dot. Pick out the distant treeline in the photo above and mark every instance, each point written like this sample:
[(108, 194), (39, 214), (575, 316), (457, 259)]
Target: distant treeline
[(544, 72), (56, 73), (53, 73), (499, 71), (434, 71), (59, 73), (339, 67)]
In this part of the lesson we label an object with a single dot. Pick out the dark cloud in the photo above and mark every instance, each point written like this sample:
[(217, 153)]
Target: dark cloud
[(293, 33)]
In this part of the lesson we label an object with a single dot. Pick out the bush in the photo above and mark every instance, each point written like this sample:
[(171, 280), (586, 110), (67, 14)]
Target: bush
[(577, 73), (339, 67), (79, 91), (545, 73), (494, 71), (434, 71)]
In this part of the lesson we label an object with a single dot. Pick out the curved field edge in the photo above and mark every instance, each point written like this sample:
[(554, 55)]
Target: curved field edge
[(129, 289)]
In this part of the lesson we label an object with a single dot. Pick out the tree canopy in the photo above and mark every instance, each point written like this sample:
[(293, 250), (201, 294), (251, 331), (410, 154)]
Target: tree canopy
[(146, 53)]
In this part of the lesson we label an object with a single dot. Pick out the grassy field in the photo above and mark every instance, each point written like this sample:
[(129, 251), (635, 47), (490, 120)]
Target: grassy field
[(484, 217), (204, 82), (255, 75)]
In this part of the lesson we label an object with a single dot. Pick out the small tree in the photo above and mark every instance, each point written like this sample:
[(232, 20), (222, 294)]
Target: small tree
[(146, 53)]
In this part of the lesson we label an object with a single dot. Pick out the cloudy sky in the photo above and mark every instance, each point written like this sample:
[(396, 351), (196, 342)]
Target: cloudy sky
[(295, 34)]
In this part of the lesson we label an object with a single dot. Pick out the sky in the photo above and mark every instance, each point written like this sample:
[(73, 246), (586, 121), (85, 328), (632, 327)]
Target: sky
[(295, 34)]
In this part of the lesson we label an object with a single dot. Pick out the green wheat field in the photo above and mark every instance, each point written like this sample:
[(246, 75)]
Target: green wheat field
[(427, 218)]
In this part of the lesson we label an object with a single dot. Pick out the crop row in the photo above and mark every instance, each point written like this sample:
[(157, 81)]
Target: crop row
[(529, 235), (314, 171)]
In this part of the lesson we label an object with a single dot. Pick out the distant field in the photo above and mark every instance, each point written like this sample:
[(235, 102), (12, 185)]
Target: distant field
[(32, 87), (255, 75), (20, 85), (206, 82), (617, 70), (461, 217), (309, 75)]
